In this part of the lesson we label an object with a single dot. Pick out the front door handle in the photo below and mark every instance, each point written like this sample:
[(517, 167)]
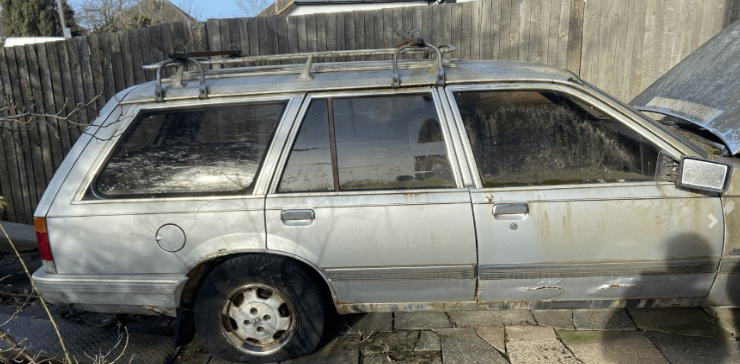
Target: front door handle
[(293, 215), (510, 209)]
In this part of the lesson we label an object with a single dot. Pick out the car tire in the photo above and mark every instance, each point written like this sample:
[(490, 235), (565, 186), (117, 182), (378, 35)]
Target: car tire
[(259, 308)]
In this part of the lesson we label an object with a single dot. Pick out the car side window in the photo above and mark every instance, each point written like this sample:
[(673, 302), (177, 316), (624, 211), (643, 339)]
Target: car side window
[(523, 138), (198, 151), (380, 142)]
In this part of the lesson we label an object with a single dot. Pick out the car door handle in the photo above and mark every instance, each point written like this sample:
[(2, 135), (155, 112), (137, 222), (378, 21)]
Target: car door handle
[(510, 208), (292, 215)]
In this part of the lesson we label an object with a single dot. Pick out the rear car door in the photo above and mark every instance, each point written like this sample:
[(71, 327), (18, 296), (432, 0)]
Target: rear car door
[(367, 192), (572, 202)]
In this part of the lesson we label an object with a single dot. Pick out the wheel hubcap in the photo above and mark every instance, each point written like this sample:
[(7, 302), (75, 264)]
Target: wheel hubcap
[(258, 319)]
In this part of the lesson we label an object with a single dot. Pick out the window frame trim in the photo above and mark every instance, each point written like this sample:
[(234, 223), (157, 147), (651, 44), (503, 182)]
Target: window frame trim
[(444, 120), (662, 145), (293, 102)]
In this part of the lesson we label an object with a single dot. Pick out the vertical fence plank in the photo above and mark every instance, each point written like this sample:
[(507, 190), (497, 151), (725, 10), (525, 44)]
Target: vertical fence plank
[(137, 58), (263, 36), (39, 133), (486, 22), (303, 34), (359, 21), (466, 25), (29, 141), (628, 54), (124, 40), (544, 33), (50, 132), (321, 34), (553, 33), (119, 80), (253, 34), (311, 38), (456, 30), (70, 132), (168, 46), (369, 32), (379, 35), (331, 34), (564, 35), (272, 35), (79, 97), (504, 46), (56, 70), (283, 35), (244, 36), (340, 45), (199, 34), (12, 187), (573, 55), (349, 34), (446, 25)]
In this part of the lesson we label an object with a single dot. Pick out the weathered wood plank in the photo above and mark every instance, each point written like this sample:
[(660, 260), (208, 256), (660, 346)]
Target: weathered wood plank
[(49, 133), (485, 29), (456, 29), (427, 20), (311, 37), (199, 35), (79, 97), (40, 132), (124, 39), (628, 53), (341, 40), (57, 68), (564, 36), (331, 34), (6, 189), (359, 22), (117, 67), (89, 92), (553, 33), (396, 28), (168, 46), (137, 59), (575, 36), (97, 69), (475, 30), (349, 33), (544, 33), (369, 32), (293, 34), (504, 47), (18, 173), (30, 140), (272, 35), (302, 35), (253, 35), (264, 39), (465, 30), (535, 32), (321, 33), (66, 95), (446, 10)]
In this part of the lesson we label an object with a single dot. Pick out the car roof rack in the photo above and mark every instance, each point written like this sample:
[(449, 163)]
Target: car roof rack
[(413, 44)]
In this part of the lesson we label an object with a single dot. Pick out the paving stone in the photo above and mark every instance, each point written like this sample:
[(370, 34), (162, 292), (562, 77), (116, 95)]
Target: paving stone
[(423, 320), (428, 341), (406, 357), (457, 331), (384, 342), (530, 333), (492, 318), (680, 321), (372, 322), (495, 336), (679, 349), (597, 347), (467, 349), (343, 349), (536, 344), (728, 318), (600, 319), (559, 319)]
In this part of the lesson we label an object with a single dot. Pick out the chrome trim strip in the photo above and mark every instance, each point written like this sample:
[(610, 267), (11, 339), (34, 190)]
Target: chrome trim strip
[(401, 273), (152, 284), (350, 308), (598, 269), (730, 266)]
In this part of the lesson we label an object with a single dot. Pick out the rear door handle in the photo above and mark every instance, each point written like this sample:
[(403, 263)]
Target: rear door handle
[(293, 215), (510, 209)]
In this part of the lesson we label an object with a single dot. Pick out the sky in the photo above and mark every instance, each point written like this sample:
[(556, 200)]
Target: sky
[(211, 9), (214, 8)]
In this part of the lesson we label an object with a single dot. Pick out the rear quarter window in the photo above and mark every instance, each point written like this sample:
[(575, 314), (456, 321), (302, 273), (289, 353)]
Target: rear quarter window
[(204, 151)]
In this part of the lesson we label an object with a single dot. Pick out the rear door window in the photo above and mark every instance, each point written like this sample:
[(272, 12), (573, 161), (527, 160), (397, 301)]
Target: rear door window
[(369, 143), (205, 151)]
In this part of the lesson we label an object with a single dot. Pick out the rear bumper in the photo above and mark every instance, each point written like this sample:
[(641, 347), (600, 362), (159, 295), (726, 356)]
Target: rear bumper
[(139, 294)]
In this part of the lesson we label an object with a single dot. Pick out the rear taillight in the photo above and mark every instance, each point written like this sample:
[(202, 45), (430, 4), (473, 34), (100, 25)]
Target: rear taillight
[(42, 235)]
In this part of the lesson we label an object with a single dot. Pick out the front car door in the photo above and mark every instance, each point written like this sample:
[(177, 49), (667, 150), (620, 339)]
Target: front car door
[(572, 203), (368, 194)]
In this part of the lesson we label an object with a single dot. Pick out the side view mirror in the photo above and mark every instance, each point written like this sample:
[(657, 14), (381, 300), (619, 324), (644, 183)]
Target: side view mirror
[(703, 175)]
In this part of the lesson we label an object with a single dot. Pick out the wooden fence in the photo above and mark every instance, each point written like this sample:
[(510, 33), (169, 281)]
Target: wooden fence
[(619, 45)]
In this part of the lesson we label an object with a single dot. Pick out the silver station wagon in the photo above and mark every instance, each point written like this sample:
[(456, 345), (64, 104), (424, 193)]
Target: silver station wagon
[(254, 201)]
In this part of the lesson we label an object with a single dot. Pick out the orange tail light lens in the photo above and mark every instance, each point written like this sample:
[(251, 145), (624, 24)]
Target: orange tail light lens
[(42, 235)]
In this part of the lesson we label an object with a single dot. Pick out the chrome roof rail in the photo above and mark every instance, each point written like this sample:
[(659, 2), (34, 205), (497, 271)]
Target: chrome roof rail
[(412, 45)]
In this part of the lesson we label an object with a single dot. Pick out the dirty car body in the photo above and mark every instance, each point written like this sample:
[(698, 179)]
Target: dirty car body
[(258, 197)]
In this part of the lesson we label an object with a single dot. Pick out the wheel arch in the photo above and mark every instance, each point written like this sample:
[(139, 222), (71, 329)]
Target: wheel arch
[(200, 271)]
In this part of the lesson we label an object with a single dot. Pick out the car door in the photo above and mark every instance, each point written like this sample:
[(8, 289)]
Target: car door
[(366, 192), (573, 202)]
